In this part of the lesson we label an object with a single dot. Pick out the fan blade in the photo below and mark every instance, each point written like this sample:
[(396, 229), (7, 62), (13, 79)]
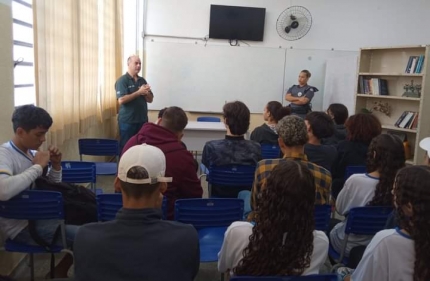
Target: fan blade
[(288, 29), (293, 17)]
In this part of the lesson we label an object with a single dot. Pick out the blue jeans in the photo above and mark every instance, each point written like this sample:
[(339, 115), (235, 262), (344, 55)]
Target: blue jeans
[(245, 195), (46, 230), (126, 131)]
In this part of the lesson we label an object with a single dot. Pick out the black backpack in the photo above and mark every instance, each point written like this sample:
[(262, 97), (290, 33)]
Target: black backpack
[(79, 202)]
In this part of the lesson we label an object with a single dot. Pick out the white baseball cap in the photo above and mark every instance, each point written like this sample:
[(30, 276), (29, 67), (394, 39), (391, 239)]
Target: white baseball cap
[(147, 156), (425, 144)]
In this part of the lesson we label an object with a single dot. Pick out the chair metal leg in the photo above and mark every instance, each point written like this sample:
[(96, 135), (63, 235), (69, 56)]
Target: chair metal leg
[(31, 267)]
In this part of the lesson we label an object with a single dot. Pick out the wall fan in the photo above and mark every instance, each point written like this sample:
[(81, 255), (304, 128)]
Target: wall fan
[(294, 23)]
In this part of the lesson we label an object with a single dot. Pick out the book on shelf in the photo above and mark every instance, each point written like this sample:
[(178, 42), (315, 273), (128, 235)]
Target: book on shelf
[(408, 120), (415, 64), (372, 86)]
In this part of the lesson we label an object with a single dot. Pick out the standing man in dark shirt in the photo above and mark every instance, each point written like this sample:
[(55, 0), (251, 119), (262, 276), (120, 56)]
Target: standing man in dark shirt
[(133, 94), (300, 96)]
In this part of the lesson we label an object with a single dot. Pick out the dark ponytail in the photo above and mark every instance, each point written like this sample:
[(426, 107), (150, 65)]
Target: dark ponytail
[(277, 110)]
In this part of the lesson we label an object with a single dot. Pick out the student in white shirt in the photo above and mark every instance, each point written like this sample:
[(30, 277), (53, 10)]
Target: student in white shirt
[(401, 254), (20, 165), (283, 240), (385, 157)]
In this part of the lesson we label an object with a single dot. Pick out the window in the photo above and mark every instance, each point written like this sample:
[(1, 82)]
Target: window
[(23, 52)]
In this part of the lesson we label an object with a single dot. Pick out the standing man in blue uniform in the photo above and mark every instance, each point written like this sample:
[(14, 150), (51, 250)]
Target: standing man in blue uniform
[(300, 96), (133, 94)]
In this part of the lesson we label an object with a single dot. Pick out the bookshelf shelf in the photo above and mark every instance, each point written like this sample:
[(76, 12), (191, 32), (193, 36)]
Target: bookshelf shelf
[(391, 74), (394, 128), (387, 97), (383, 69)]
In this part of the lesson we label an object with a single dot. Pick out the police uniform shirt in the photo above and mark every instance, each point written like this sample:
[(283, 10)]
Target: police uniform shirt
[(305, 91)]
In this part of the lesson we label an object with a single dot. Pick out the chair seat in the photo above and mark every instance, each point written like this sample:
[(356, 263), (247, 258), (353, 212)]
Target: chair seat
[(12, 246), (106, 168), (211, 240), (335, 255)]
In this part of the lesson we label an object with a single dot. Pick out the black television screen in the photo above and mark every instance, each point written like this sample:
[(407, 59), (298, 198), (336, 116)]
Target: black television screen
[(241, 23)]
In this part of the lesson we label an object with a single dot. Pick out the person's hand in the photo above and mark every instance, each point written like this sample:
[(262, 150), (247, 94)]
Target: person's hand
[(41, 158), (144, 90), (55, 157)]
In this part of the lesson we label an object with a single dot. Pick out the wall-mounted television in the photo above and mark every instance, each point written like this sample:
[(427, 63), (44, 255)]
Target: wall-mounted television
[(237, 23)]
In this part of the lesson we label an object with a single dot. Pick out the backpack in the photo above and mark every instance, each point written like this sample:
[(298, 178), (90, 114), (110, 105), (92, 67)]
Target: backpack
[(79, 202)]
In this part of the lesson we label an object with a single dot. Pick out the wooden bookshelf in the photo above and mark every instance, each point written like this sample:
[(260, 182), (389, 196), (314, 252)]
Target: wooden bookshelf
[(389, 63)]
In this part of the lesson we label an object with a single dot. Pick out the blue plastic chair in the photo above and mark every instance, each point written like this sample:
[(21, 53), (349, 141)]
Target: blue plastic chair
[(361, 221), (231, 176), (322, 214), (108, 206), (101, 147), (270, 151), (208, 119), (351, 170), (210, 217), (34, 205), (80, 172), (326, 277)]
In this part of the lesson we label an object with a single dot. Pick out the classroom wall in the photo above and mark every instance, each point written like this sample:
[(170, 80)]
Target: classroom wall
[(7, 260), (338, 24)]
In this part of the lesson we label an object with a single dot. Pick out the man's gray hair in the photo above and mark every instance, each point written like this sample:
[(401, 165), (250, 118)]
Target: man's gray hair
[(292, 130)]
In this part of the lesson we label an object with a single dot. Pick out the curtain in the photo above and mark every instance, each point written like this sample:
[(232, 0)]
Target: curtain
[(78, 51)]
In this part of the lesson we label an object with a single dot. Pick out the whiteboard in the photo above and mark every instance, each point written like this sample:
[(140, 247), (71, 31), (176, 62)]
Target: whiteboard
[(340, 82), (199, 78), (315, 61), (202, 78)]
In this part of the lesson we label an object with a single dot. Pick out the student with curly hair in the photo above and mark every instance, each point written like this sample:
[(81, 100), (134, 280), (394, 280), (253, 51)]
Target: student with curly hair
[(361, 129), (401, 254), (266, 133), (384, 158), (283, 240)]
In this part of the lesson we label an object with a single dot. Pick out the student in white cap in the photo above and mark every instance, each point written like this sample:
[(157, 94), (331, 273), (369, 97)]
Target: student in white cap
[(425, 144), (138, 244)]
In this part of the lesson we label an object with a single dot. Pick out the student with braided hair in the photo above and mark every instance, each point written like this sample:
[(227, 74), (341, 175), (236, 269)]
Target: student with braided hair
[(403, 253), (384, 158)]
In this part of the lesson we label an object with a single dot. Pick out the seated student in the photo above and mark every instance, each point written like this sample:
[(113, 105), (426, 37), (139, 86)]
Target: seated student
[(339, 113), (385, 157), (266, 133), (319, 125), (20, 165), (234, 149), (160, 115), (292, 138), (425, 145), (180, 163), (361, 129), (401, 254), (283, 240), (138, 244)]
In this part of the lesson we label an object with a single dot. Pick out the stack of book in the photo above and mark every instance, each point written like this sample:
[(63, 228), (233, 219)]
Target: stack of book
[(372, 86), (408, 120), (415, 64)]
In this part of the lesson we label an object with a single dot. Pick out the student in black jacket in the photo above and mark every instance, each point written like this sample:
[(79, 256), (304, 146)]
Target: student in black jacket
[(338, 113), (266, 133), (361, 129)]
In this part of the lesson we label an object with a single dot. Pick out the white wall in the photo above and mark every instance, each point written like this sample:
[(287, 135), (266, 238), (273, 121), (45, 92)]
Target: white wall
[(338, 24)]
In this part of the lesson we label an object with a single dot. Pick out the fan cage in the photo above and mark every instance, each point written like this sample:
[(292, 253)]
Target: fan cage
[(304, 18)]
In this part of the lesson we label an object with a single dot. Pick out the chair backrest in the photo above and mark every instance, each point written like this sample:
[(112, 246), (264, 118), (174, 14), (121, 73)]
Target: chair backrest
[(350, 170), (108, 206), (33, 205), (322, 216), (326, 277), (78, 172), (208, 119), (231, 175), (270, 151), (202, 213), (98, 147), (367, 220)]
